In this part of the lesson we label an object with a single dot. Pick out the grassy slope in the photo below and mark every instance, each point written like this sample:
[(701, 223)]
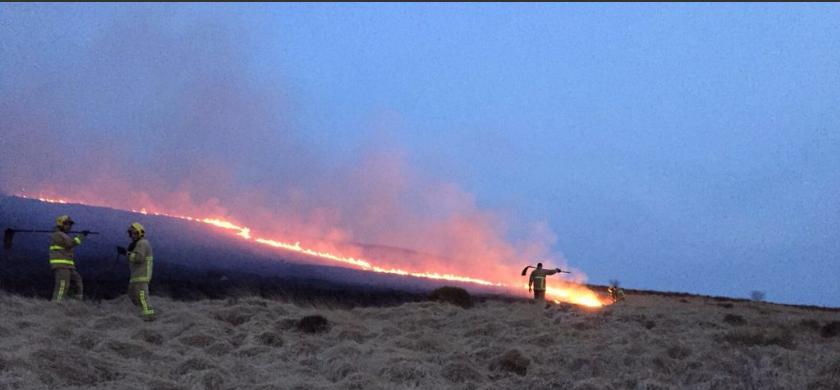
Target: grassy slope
[(645, 342)]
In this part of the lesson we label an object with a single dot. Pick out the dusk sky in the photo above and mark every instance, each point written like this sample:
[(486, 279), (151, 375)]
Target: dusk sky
[(677, 147)]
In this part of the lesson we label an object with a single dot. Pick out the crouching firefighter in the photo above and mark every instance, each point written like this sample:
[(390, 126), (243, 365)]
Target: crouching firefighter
[(62, 260), (140, 260)]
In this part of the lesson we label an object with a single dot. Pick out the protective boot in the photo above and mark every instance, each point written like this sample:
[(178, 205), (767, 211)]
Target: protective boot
[(139, 294)]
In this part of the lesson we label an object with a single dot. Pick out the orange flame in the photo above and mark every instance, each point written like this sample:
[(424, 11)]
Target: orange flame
[(569, 292)]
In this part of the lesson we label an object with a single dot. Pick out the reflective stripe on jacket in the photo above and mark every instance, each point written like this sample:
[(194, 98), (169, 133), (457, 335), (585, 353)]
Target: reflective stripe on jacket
[(61, 250), (140, 261), (538, 278)]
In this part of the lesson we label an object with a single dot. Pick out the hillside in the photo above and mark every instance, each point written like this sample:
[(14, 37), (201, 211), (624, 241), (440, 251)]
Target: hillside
[(230, 316), (192, 260), (645, 342)]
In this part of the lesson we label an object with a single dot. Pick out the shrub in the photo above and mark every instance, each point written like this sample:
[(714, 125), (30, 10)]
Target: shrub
[(734, 319), (454, 295), (830, 329), (313, 324), (757, 296)]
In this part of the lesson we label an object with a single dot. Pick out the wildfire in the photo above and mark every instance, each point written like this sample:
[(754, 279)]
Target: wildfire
[(573, 293)]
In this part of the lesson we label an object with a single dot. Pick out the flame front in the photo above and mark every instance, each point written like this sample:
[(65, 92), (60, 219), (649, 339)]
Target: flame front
[(569, 292)]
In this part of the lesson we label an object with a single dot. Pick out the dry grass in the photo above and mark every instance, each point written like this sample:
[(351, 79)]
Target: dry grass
[(830, 329), (645, 342), (454, 295), (734, 319)]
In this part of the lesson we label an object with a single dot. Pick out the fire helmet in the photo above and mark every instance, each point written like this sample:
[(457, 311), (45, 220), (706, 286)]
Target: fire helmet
[(139, 228), (62, 220)]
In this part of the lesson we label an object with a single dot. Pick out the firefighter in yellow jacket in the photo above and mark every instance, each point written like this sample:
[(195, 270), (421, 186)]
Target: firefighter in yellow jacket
[(140, 261), (62, 260), (537, 280)]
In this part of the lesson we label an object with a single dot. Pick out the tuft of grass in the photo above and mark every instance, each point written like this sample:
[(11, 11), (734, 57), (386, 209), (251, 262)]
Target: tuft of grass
[(511, 361), (678, 352), (232, 316), (810, 324), (270, 339), (757, 338), (734, 319), (454, 295), (830, 329), (313, 324)]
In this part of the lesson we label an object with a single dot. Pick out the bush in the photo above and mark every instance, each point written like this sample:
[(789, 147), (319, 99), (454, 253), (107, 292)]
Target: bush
[(757, 296), (734, 319), (830, 329), (312, 324), (454, 295)]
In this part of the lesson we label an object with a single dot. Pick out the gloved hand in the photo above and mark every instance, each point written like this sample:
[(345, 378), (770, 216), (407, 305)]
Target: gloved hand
[(559, 270), (121, 250), (85, 233)]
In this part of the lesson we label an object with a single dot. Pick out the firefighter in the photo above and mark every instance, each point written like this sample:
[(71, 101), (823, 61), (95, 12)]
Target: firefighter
[(616, 294), (537, 280), (140, 260), (62, 260)]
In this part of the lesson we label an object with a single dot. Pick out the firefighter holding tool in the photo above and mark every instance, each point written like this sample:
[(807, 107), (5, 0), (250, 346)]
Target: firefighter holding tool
[(537, 280), (140, 262), (62, 260)]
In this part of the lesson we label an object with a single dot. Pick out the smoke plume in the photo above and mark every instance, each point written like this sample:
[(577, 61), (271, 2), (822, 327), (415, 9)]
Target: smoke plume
[(157, 110)]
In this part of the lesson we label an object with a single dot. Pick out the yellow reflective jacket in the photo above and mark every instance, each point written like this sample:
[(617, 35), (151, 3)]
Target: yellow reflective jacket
[(140, 260), (538, 278), (61, 250)]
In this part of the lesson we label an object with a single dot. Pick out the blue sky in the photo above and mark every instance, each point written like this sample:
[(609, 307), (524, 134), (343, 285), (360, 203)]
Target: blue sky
[(683, 147)]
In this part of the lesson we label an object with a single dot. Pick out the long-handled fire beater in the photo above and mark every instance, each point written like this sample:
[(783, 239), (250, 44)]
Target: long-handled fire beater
[(9, 235)]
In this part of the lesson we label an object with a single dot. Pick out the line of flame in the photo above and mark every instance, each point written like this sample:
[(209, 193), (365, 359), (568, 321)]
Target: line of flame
[(558, 294)]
